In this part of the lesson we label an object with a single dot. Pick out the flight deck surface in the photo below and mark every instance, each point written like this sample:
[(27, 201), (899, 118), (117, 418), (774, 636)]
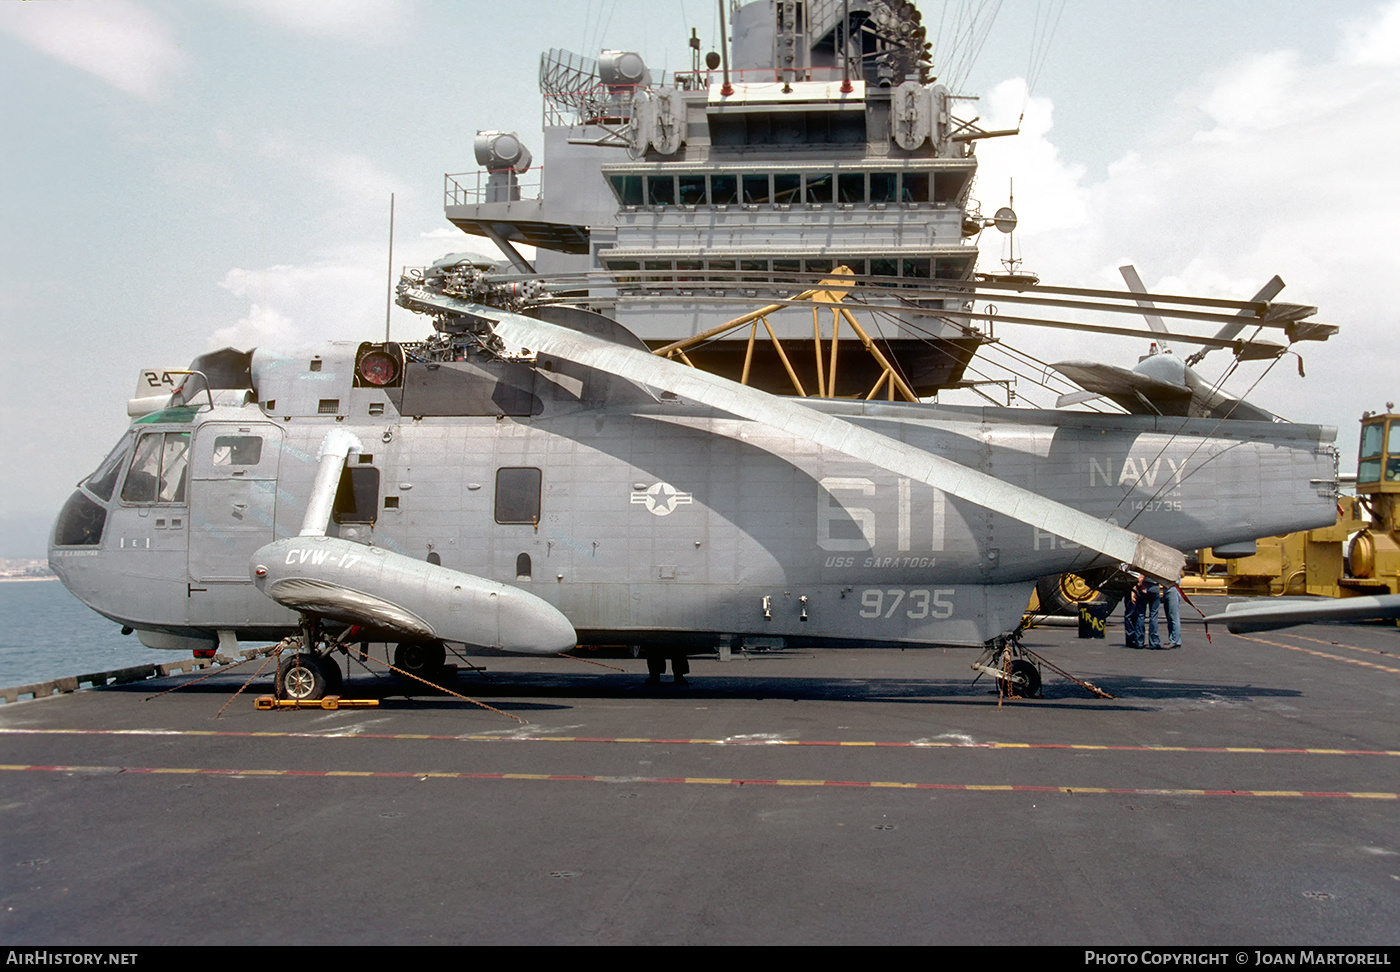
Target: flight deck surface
[(1239, 792)]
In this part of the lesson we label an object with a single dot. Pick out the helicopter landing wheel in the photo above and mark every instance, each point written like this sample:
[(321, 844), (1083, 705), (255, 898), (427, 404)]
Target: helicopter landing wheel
[(335, 678), (1028, 677), (301, 677), (422, 658)]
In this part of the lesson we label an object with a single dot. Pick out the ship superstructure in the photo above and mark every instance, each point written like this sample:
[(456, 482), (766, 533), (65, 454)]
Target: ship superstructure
[(690, 199)]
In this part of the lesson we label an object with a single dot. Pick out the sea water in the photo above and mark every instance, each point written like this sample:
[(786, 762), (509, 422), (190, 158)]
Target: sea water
[(46, 632)]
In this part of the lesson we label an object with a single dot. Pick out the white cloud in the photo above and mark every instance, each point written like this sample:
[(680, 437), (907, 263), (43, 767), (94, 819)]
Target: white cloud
[(343, 293), (352, 177), (1272, 165), (340, 294), (124, 44), (361, 21), (1375, 40)]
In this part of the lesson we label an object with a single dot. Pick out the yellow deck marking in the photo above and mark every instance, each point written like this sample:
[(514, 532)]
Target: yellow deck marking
[(118, 771), (1320, 654)]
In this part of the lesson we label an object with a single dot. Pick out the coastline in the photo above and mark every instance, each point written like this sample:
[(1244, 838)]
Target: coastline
[(16, 580)]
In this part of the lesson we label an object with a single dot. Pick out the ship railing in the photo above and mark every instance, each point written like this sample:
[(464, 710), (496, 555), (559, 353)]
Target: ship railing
[(594, 103), (474, 188)]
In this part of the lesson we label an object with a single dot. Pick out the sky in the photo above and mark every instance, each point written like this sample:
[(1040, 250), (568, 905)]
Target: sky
[(179, 177)]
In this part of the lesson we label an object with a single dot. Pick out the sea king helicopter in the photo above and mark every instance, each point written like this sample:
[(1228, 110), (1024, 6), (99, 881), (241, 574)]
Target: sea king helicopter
[(533, 477)]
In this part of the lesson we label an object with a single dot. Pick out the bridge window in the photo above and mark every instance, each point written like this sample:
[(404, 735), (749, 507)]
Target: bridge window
[(661, 190), (819, 188), (628, 189), (518, 495), (915, 187), (884, 268), (787, 187), (756, 189), (724, 190), (692, 190), (884, 187), (721, 270), (754, 271)]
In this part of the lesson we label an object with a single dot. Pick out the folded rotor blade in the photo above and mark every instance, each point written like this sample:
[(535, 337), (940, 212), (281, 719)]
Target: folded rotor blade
[(1134, 282), (788, 415)]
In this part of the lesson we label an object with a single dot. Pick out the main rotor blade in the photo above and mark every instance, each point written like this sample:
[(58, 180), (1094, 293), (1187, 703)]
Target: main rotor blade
[(1134, 282), (1267, 292), (788, 415)]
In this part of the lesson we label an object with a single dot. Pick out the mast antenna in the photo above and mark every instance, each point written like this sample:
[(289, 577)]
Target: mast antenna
[(389, 293)]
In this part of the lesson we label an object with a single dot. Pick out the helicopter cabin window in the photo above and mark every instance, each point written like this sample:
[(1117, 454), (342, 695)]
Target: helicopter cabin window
[(158, 469), (518, 495), (357, 498), (522, 567), (237, 450)]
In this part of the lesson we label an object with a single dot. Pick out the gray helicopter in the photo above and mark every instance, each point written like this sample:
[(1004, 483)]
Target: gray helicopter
[(529, 482)]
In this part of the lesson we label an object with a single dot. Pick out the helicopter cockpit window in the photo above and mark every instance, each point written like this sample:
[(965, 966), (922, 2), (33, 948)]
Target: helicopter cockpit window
[(518, 495), (158, 469), (357, 498), (237, 450), (102, 482), (81, 522)]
